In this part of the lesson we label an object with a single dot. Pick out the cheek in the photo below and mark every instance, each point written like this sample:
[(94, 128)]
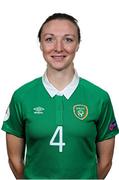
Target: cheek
[(71, 49), (47, 48)]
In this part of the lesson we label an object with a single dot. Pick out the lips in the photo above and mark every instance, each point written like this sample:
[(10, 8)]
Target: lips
[(58, 57)]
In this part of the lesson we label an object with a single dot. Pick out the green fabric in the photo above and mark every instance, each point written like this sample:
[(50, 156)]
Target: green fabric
[(84, 119)]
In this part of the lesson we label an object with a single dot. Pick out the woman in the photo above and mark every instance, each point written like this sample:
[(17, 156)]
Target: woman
[(66, 122)]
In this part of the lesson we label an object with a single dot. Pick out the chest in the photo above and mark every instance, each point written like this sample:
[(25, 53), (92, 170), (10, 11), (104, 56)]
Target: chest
[(76, 117)]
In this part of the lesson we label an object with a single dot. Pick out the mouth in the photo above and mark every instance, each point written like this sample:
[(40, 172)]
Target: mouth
[(58, 57)]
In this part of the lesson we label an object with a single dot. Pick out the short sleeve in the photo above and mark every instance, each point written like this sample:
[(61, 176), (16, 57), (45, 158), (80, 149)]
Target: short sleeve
[(106, 124), (13, 122)]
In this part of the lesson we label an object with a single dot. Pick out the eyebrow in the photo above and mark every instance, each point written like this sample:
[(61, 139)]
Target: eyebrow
[(48, 34), (54, 35)]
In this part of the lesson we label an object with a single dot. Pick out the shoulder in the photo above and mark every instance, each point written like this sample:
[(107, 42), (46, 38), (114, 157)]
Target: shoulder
[(27, 88), (93, 90)]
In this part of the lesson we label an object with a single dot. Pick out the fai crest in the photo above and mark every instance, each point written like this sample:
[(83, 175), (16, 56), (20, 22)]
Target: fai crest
[(80, 111)]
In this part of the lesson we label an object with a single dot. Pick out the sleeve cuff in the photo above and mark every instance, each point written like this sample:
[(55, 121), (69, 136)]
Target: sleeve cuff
[(9, 130)]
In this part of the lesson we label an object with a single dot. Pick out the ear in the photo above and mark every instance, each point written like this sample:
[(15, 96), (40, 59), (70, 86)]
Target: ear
[(41, 47), (77, 47)]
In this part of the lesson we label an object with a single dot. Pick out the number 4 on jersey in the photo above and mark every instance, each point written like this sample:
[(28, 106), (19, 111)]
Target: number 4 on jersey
[(58, 131)]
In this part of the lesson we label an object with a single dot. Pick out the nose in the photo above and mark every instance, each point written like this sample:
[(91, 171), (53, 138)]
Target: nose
[(59, 46)]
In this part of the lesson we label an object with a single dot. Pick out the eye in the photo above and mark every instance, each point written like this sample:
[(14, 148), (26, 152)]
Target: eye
[(49, 39), (68, 39)]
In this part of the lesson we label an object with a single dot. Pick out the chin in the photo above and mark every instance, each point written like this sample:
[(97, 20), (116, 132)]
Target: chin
[(60, 68)]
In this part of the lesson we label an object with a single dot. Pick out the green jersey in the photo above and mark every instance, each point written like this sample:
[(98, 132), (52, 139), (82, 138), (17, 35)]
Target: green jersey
[(61, 134)]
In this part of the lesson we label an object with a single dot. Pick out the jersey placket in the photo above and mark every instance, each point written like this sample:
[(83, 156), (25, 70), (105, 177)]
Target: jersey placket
[(59, 110)]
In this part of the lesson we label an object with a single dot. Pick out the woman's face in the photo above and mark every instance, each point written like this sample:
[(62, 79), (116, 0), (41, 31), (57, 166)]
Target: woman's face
[(59, 43)]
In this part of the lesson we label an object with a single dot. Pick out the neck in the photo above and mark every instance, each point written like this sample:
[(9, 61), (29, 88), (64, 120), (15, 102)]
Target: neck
[(60, 79)]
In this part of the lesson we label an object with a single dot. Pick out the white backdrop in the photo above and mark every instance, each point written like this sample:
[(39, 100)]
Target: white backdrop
[(21, 59)]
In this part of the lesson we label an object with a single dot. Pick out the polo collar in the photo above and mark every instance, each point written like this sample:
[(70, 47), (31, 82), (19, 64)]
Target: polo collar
[(67, 91)]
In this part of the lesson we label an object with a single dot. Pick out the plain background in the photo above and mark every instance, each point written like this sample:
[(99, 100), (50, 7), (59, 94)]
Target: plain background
[(21, 59)]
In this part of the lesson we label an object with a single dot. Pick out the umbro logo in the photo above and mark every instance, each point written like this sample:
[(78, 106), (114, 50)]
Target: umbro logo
[(38, 110)]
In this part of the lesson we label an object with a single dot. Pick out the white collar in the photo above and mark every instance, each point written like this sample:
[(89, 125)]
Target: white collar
[(67, 91)]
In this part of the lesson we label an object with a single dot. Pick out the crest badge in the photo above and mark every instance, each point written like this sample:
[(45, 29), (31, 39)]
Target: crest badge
[(80, 111)]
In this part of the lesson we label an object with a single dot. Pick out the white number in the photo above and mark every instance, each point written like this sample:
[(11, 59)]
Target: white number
[(59, 131)]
